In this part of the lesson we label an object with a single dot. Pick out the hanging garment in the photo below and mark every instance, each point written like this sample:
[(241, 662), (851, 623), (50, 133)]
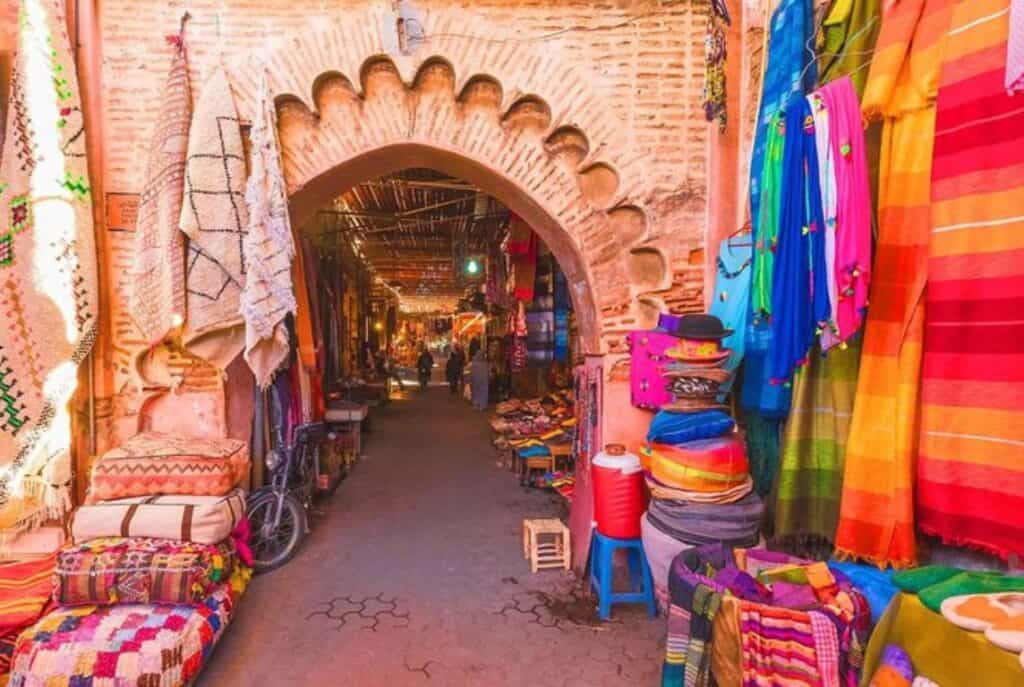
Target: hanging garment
[(303, 310), (846, 40), (156, 297), (970, 471), (789, 70), (731, 302), (267, 295), (766, 231), (762, 436), (814, 447), (852, 223), (48, 264), (829, 201), (215, 219), (1015, 50), (759, 395), (876, 519), (648, 386), (563, 305), (524, 270), (799, 291), (714, 64)]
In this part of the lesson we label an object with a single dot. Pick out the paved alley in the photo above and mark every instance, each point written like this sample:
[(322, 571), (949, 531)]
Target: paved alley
[(414, 575)]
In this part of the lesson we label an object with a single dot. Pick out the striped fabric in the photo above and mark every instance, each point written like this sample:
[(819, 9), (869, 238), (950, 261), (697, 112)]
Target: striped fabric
[(971, 460), (25, 588), (778, 647), (814, 447), (877, 512)]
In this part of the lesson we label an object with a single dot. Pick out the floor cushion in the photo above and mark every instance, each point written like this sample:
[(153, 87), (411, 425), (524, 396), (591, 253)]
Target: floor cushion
[(201, 519), (138, 570), (152, 463), (129, 644)]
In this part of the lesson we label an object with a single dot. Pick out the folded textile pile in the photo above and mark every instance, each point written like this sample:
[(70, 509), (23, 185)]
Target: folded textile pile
[(159, 557), (694, 463), (537, 428), (797, 620)]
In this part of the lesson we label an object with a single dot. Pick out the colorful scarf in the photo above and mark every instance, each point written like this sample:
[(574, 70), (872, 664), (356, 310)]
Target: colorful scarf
[(789, 70), (215, 218), (25, 589), (814, 447), (852, 222), (48, 263), (876, 516), (846, 39), (694, 600), (799, 286), (970, 471), (267, 296), (829, 206), (156, 297), (731, 302), (766, 232)]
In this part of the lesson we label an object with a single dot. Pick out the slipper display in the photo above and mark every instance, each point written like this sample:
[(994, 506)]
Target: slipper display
[(979, 612)]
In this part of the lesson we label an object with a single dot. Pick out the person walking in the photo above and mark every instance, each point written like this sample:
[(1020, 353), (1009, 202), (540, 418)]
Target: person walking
[(424, 364), (453, 371), (479, 377)]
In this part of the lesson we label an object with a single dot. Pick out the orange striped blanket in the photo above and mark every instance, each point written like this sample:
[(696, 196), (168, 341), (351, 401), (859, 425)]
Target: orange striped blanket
[(971, 460)]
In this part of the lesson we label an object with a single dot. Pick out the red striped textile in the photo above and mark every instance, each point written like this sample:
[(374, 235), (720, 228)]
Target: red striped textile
[(970, 471)]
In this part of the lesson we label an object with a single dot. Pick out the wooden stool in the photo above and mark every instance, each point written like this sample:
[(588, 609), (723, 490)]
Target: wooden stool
[(546, 544), (543, 463), (561, 452)]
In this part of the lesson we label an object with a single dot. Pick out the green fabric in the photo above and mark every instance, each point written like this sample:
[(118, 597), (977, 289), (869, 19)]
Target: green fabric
[(810, 479), (982, 582), (939, 649), (916, 579), (847, 39), (768, 226), (762, 438)]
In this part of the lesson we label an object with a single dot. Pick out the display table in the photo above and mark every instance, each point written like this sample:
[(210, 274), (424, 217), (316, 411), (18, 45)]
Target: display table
[(939, 650)]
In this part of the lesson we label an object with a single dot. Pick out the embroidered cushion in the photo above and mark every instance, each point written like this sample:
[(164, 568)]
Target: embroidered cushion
[(152, 463), (200, 519), (138, 570)]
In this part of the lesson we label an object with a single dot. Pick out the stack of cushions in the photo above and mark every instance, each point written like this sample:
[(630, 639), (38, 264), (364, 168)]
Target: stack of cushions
[(695, 463), (157, 561)]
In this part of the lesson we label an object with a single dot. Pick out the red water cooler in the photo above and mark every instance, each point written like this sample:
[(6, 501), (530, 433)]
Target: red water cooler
[(619, 497)]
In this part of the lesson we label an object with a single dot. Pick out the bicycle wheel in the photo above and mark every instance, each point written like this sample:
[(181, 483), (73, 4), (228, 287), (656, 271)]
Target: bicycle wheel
[(272, 549)]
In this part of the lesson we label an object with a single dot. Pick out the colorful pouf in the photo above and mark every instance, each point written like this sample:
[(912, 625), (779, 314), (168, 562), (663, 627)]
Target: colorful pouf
[(129, 644), (678, 428), (707, 465), (732, 524), (134, 570)]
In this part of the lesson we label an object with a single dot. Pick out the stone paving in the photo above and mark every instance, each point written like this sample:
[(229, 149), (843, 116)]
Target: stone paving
[(414, 575)]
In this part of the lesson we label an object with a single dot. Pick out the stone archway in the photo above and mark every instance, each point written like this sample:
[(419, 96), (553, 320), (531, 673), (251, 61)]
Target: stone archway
[(526, 127)]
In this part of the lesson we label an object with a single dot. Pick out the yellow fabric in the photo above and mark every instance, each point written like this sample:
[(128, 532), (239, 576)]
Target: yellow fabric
[(303, 314), (939, 650), (726, 658)]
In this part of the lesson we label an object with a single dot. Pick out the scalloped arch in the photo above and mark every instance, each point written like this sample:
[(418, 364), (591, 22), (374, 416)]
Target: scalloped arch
[(526, 126)]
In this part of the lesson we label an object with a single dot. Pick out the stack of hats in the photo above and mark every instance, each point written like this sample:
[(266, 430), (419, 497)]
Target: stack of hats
[(694, 462)]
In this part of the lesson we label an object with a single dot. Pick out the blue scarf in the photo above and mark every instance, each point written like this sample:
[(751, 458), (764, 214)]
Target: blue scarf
[(799, 290)]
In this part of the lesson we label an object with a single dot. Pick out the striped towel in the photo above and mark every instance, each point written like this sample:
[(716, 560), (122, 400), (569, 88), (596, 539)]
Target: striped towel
[(971, 460), (25, 589), (876, 516)]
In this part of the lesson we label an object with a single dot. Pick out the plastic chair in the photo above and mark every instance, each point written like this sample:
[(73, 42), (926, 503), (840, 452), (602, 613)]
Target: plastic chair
[(602, 555)]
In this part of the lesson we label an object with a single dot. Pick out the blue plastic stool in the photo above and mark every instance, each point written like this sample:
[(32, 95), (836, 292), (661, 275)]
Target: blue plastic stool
[(602, 553)]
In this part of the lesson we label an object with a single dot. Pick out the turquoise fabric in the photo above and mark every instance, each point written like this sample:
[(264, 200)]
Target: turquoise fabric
[(731, 303)]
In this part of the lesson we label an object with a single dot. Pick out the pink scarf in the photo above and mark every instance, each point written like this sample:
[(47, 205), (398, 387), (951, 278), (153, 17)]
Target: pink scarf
[(1015, 49), (853, 213)]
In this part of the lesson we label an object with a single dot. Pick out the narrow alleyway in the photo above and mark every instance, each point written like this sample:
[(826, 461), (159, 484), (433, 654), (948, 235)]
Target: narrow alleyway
[(414, 576)]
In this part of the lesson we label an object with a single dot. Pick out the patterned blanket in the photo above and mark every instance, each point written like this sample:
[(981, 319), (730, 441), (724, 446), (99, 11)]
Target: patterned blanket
[(136, 645), (47, 287), (118, 570), (24, 592), (215, 218)]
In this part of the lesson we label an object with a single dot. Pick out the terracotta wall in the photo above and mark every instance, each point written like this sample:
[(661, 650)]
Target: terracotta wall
[(642, 67)]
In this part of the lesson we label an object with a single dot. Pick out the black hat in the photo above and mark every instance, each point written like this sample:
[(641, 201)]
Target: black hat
[(701, 327)]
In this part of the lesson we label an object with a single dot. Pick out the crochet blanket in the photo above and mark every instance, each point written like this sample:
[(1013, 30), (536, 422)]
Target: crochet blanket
[(156, 297), (131, 644), (215, 218), (48, 286), (267, 294)]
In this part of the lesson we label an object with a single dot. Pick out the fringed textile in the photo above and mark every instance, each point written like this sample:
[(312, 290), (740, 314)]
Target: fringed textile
[(48, 264), (156, 297), (970, 471), (215, 218), (877, 511), (267, 296)]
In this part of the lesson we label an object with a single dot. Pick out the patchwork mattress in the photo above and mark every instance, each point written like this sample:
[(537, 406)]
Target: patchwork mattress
[(121, 646)]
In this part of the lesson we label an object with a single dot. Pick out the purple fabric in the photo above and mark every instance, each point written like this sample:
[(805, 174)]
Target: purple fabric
[(896, 658), (797, 597), (668, 323), (648, 388)]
